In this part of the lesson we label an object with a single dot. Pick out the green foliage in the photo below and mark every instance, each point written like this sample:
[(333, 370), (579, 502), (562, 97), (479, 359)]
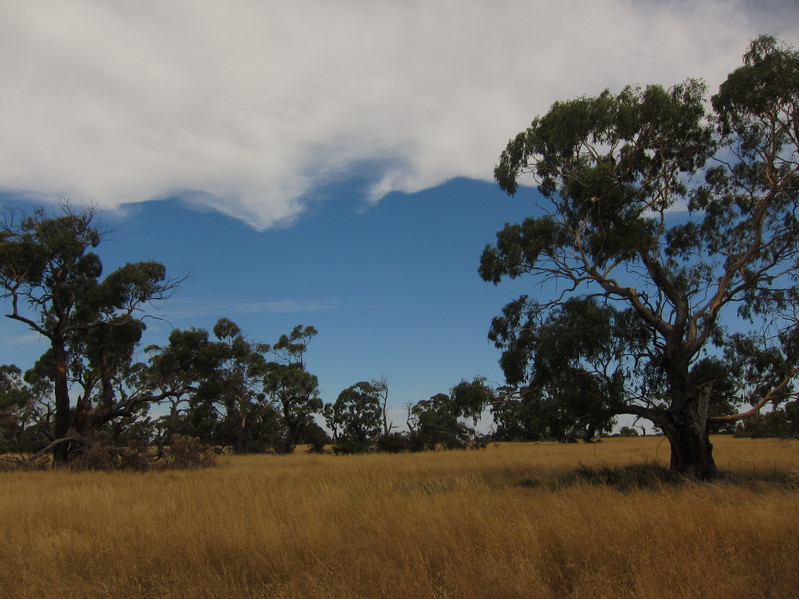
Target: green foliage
[(174, 373), (224, 390), (235, 386), (524, 419), (470, 398)]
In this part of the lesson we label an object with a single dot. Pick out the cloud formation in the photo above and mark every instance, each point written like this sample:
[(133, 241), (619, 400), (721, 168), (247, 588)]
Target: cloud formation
[(249, 107)]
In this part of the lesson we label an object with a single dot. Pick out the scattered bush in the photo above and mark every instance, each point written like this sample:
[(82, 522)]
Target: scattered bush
[(11, 463), (480, 441), (100, 453), (347, 446), (628, 431), (186, 452), (315, 437), (393, 443)]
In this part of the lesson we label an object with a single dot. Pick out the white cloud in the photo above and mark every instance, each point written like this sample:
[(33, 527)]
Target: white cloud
[(247, 106), (283, 306), (181, 308)]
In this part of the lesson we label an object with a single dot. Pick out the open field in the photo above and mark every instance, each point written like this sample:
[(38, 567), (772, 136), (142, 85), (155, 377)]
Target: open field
[(458, 524)]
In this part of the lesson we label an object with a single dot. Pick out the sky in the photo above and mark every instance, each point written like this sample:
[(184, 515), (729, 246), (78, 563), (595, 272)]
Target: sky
[(324, 163)]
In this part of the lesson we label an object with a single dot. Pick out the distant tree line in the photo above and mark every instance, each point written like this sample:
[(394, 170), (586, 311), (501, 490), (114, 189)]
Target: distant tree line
[(92, 387)]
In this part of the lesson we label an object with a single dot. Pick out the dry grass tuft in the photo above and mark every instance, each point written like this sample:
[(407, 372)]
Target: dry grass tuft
[(493, 523)]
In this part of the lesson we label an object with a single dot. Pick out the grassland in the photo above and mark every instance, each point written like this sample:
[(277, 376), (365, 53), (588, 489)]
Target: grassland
[(492, 523)]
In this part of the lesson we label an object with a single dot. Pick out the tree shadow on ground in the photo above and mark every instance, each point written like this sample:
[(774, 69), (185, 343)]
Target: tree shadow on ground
[(657, 477)]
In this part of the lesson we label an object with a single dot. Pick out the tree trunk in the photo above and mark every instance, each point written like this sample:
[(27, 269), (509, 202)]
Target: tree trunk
[(685, 425), (240, 435), (589, 433), (61, 391)]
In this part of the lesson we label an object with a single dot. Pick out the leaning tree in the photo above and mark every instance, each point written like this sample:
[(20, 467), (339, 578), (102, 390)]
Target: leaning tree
[(678, 218), (52, 280)]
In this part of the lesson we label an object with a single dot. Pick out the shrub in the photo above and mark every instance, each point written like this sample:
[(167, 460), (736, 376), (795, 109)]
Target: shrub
[(99, 452), (393, 443), (186, 452)]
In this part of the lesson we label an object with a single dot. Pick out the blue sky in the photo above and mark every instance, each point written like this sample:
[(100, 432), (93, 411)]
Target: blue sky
[(392, 287), (324, 163)]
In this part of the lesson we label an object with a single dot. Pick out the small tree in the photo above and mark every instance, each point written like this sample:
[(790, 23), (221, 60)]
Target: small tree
[(355, 418), (628, 431), (176, 371), (435, 422), (236, 385), (613, 170), (293, 391)]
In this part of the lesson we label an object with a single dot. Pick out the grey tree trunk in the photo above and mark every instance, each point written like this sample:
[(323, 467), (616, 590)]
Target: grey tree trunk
[(61, 391)]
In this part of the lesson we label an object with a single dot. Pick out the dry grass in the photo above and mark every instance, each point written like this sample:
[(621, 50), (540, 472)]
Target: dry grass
[(458, 524)]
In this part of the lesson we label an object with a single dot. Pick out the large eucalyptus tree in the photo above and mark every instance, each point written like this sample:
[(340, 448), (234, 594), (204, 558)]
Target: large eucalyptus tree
[(678, 218)]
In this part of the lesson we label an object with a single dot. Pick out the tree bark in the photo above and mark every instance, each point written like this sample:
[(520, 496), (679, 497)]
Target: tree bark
[(685, 426), (61, 392), (590, 431)]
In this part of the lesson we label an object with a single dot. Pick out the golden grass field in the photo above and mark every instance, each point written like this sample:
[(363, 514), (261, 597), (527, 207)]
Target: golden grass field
[(448, 524)]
